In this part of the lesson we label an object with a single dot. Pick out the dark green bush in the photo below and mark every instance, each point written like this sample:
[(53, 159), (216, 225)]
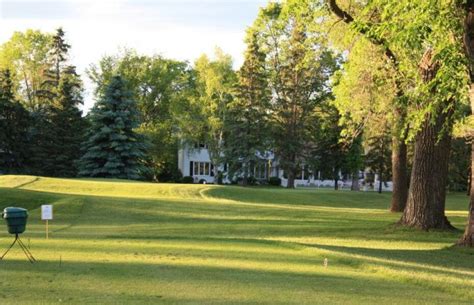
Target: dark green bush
[(274, 181), (187, 179), (251, 180)]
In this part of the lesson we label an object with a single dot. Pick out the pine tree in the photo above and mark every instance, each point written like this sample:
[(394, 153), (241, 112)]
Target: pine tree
[(68, 124), (13, 128), (113, 149), (59, 124), (57, 61), (247, 121)]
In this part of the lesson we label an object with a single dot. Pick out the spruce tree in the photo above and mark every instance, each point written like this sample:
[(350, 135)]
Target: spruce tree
[(13, 128), (247, 123), (113, 149)]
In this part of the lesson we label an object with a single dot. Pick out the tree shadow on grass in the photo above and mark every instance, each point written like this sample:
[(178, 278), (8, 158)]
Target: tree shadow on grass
[(162, 283), (454, 261)]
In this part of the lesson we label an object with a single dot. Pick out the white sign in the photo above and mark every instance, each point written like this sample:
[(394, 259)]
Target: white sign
[(46, 212)]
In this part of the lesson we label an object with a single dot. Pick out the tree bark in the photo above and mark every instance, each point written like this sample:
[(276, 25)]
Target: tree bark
[(468, 238), (291, 180), (427, 194), (355, 182), (380, 183), (399, 175)]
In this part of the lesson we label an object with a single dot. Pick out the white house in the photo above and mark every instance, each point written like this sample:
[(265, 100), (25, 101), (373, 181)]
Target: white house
[(195, 162)]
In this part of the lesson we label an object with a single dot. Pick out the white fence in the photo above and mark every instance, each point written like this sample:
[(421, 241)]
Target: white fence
[(342, 184)]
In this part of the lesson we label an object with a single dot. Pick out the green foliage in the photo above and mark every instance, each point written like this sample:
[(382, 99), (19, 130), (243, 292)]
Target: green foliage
[(113, 148), (26, 56), (68, 126), (158, 85), (201, 115), (329, 155), (459, 166), (247, 134), (57, 57), (275, 181), (411, 28), (187, 179), (299, 66), (378, 157), (61, 91), (14, 124), (365, 94)]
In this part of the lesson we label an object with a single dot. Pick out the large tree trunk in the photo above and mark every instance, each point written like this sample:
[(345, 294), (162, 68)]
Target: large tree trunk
[(355, 182), (468, 237), (291, 180), (427, 194), (245, 178), (399, 175)]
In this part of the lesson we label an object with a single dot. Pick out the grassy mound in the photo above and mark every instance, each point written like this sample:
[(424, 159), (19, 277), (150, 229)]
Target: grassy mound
[(120, 242)]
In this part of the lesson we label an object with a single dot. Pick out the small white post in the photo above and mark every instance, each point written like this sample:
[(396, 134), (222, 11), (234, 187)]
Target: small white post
[(47, 214)]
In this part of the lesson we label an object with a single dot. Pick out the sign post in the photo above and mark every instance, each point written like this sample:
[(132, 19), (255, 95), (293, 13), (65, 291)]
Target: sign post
[(47, 214)]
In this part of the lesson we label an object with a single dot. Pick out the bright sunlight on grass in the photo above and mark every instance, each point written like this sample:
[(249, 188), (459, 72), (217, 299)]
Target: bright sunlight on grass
[(118, 242)]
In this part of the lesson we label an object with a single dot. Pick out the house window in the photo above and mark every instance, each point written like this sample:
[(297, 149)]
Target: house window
[(203, 168), (196, 168)]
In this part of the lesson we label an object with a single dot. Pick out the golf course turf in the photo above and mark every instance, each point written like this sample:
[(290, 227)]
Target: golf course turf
[(120, 242)]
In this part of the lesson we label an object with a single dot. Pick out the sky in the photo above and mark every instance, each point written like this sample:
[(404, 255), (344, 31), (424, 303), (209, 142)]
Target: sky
[(178, 29)]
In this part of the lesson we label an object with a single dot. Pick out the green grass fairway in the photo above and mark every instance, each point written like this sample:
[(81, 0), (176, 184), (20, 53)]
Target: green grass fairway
[(116, 242)]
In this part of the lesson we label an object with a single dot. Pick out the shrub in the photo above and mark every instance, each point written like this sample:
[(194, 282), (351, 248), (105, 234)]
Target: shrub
[(276, 181), (251, 180), (187, 179)]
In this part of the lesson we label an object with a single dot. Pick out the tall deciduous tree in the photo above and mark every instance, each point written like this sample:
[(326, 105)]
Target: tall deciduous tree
[(378, 54), (204, 111), (429, 55), (299, 67), (467, 7), (25, 55), (113, 148)]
